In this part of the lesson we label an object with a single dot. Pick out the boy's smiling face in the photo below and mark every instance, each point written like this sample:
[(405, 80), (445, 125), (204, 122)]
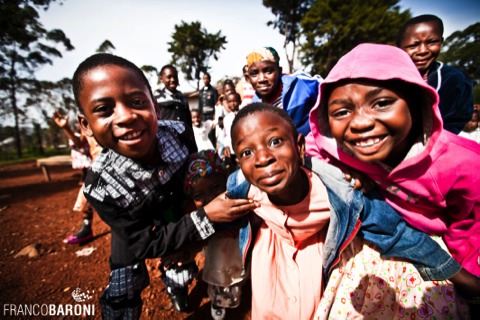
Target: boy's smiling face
[(423, 42), (269, 155), (119, 112), (169, 78), (371, 121), (233, 102)]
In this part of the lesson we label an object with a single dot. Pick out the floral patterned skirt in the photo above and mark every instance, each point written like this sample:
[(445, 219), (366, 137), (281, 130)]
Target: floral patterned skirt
[(365, 286)]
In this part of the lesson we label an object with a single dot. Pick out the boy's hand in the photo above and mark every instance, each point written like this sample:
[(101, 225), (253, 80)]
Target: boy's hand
[(467, 285), (222, 209), (181, 257), (361, 181)]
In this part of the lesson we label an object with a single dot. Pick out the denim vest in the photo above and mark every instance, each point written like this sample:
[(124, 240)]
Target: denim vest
[(369, 217)]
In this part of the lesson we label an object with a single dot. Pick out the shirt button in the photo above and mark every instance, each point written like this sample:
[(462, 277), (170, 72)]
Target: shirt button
[(292, 299)]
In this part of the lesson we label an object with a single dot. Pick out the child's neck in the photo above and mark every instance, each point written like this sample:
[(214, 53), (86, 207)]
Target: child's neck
[(275, 96), (298, 192)]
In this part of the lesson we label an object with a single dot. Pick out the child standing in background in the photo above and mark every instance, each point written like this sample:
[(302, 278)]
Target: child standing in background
[(172, 104), (233, 102), (84, 151), (421, 38), (201, 130), (311, 215), (223, 270), (136, 183), (220, 135), (472, 130)]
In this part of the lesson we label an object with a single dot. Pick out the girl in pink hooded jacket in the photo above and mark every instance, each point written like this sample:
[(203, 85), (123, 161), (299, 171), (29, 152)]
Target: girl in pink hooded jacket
[(375, 114)]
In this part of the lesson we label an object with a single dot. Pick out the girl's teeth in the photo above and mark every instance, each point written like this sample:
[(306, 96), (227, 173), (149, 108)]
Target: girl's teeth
[(367, 143)]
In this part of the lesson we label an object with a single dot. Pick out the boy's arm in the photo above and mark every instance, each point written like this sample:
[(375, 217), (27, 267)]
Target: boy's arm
[(383, 227)]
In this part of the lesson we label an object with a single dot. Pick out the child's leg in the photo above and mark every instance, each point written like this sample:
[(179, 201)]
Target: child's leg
[(85, 209), (223, 297), (122, 297), (176, 279)]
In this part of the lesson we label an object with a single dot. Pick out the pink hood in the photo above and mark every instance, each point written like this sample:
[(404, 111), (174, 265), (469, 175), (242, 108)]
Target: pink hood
[(377, 62), (435, 188)]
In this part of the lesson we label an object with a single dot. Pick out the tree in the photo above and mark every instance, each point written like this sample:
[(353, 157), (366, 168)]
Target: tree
[(106, 47), (192, 47), (25, 45), (462, 49), (289, 14), (334, 27)]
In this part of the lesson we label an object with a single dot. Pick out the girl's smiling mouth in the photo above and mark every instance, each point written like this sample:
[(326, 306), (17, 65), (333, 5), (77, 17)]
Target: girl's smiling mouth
[(367, 145)]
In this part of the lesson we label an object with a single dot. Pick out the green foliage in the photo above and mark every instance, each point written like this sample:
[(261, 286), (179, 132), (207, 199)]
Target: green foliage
[(476, 94), (192, 47), (462, 50), (289, 14), (25, 45), (334, 27), (106, 47)]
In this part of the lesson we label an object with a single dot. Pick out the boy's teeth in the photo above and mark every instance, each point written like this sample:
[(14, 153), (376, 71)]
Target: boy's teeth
[(367, 143), (132, 135)]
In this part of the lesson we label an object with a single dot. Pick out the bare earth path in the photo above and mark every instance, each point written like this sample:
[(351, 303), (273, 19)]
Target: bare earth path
[(37, 213)]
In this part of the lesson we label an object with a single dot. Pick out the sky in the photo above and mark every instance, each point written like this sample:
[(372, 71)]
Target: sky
[(141, 29)]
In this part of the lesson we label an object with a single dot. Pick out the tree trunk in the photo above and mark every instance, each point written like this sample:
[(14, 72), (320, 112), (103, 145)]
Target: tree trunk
[(13, 100)]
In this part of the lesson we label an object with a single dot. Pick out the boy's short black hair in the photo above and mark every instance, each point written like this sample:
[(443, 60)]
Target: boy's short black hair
[(99, 60), (261, 107), (167, 66), (416, 20), (236, 94)]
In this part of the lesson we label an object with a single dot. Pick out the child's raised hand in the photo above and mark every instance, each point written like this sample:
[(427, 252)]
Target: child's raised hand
[(60, 119), (222, 209)]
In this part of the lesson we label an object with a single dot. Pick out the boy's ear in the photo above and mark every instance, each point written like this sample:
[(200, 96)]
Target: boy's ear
[(84, 125), (301, 145)]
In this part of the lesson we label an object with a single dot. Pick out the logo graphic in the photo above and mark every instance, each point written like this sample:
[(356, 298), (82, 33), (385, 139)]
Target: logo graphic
[(80, 296)]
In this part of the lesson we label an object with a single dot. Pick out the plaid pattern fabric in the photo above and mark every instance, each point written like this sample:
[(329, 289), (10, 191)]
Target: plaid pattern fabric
[(126, 182), (121, 299), (165, 95), (179, 277)]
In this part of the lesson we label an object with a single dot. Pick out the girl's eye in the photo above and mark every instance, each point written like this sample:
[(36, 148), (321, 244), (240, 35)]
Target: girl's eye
[(383, 103), (340, 113)]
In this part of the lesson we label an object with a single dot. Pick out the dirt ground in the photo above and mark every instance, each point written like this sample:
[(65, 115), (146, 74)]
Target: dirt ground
[(37, 213)]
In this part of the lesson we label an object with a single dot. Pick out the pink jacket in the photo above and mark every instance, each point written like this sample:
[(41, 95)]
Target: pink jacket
[(436, 188)]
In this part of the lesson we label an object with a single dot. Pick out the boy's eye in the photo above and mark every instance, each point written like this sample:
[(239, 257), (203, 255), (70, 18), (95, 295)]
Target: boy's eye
[(246, 153), (275, 141), (138, 102), (102, 110)]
